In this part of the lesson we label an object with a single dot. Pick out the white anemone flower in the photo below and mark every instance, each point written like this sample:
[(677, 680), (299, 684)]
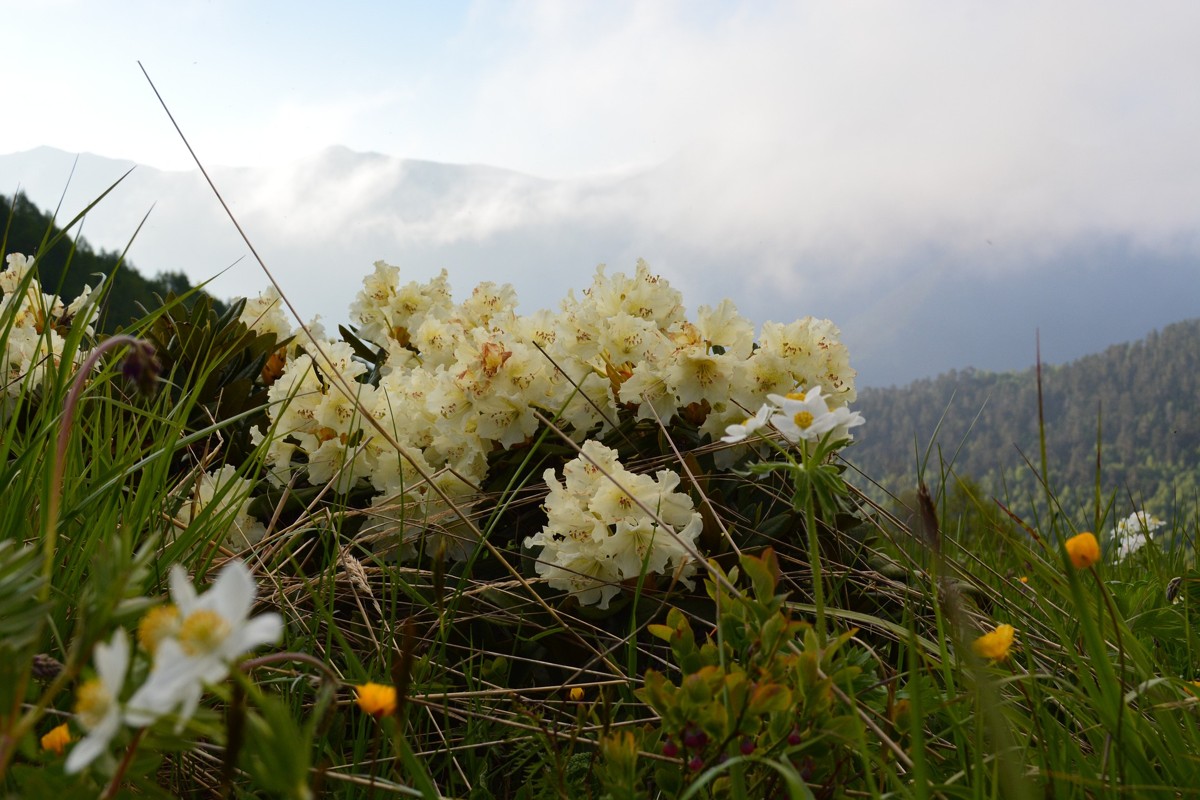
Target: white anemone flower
[(213, 630), (805, 415), (1134, 532), (738, 433), (802, 415), (97, 707)]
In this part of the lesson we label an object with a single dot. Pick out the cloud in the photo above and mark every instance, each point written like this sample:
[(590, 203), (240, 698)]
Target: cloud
[(859, 133)]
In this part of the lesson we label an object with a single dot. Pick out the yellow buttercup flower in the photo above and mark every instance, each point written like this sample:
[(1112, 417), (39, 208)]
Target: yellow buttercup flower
[(1083, 550), (576, 693), (57, 739), (376, 699), (996, 644)]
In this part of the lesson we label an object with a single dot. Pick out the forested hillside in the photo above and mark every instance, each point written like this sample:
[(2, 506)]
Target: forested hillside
[(1138, 400), (69, 264)]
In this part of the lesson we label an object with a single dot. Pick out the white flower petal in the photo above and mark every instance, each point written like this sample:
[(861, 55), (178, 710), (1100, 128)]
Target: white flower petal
[(95, 743), (183, 594), (232, 594), (263, 629), (112, 661)]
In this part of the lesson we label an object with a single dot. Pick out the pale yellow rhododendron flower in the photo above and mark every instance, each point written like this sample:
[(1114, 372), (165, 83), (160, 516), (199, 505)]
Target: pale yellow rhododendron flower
[(227, 498), (32, 347), (724, 327), (460, 382), (388, 313), (598, 533), (814, 353), (266, 314)]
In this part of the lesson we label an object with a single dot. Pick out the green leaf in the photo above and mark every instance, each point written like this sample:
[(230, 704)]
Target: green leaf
[(769, 698), (21, 612), (763, 572)]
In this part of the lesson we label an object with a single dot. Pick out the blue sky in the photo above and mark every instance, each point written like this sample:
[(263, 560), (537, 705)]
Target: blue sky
[(538, 87), (844, 159)]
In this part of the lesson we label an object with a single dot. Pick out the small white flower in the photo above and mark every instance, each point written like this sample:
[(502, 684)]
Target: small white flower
[(1134, 532), (805, 415), (214, 630), (97, 707), (737, 433)]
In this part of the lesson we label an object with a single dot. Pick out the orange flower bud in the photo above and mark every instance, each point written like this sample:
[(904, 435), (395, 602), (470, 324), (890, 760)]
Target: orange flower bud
[(376, 699), (995, 645), (1083, 550), (57, 739)]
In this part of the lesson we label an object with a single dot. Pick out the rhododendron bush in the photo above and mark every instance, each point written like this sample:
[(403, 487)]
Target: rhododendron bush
[(408, 425), (421, 399), (35, 324)]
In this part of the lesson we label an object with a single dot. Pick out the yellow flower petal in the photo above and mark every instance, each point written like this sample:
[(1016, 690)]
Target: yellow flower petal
[(57, 739), (996, 644), (376, 699), (1083, 550)]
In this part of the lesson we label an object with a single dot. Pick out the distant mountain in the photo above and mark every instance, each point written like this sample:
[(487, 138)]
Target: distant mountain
[(1137, 401), (321, 223), (912, 311)]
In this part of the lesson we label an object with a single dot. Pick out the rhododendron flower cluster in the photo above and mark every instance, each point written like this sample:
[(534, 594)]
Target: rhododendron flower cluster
[(227, 496), (460, 381), (603, 528), (34, 341)]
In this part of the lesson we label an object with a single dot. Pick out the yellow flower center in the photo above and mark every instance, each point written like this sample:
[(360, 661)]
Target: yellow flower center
[(158, 624), (801, 396), (803, 419), (494, 357), (203, 632), (92, 701), (706, 372)]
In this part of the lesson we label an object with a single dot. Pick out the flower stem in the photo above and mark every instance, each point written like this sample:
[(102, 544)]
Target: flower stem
[(115, 784), (58, 457), (814, 544)]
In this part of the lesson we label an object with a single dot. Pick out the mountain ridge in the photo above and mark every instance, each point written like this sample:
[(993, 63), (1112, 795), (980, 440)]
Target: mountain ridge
[(917, 312), (1134, 399)]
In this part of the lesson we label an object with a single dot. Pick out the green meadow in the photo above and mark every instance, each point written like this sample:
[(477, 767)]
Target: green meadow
[(609, 550)]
